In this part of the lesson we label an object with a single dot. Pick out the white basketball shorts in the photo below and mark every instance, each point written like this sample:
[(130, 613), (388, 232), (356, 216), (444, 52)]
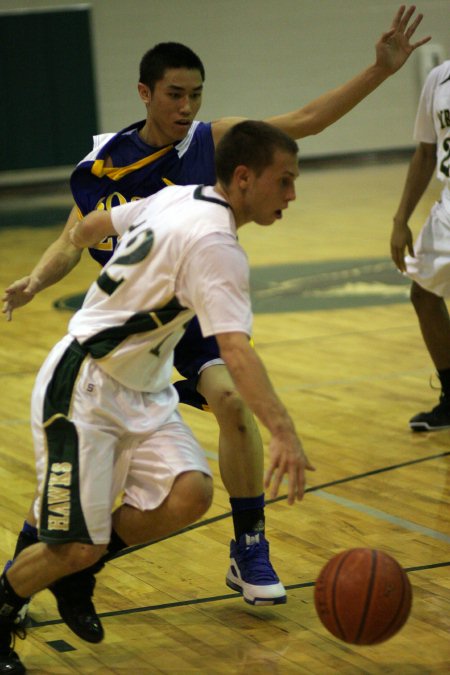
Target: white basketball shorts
[(95, 439), (430, 267)]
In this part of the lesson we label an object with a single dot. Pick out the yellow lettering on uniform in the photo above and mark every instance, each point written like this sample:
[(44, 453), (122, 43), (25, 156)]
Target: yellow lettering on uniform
[(58, 523), (107, 203), (58, 498), (100, 206), (105, 245), (58, 494), (62, 509), (62, 479), (114, 196), (61, 467)]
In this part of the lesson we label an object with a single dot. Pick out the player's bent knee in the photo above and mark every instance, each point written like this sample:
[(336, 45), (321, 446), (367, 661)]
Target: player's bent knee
[(230, 407), (193, 491)]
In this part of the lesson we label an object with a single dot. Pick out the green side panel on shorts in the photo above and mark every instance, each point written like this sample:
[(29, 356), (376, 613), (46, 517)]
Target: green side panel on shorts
[(58, 396), (62, 518)]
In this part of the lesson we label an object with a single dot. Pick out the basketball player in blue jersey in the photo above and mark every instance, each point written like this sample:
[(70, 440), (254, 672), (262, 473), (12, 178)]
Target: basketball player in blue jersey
[(171, 147)]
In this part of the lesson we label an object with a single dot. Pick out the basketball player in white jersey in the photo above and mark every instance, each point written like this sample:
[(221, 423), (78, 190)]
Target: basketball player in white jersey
[(428, 261), (171, 145), (104, 411)]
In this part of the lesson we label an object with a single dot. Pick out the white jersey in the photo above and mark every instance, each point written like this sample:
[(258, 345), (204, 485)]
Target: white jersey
[(433, 123), (178, 256)]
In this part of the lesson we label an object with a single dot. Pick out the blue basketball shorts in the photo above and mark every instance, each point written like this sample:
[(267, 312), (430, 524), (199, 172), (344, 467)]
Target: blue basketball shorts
[(192, 353)]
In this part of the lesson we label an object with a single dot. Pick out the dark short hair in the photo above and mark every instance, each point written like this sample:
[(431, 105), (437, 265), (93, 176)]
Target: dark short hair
[(167, 55), (251, 144)]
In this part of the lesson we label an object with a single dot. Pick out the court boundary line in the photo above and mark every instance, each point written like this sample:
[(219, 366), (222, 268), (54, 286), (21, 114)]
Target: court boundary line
[(214, 598), (314, 488), (228, 596)]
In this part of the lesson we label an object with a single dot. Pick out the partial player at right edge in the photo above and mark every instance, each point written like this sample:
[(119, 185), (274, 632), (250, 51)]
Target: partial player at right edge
[(427, 263)]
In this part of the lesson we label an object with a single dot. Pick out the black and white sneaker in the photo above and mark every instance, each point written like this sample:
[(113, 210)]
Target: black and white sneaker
[(9, 660), (435, 420)]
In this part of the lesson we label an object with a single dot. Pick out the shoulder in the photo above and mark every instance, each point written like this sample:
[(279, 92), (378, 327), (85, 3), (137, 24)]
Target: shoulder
[(438, 75), (103, 142), (198, 134), (220, 127)]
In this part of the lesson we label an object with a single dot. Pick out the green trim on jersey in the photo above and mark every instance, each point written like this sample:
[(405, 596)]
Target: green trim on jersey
[(198, 194), (107, 340)]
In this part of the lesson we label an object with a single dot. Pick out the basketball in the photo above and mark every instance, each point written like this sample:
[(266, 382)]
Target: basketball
[(363, 596)]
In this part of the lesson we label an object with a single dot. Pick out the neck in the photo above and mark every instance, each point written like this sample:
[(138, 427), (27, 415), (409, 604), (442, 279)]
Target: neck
[(149, 136), (232, 199)]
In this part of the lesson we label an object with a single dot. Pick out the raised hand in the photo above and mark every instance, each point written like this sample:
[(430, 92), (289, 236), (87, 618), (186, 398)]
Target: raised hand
[(394, 46)]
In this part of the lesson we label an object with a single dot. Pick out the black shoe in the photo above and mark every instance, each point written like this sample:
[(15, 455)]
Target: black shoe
[(22, 619), (73, 595), (436, 419), (9, 660)]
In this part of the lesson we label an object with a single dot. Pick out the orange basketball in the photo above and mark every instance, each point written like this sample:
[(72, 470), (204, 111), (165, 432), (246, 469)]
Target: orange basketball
[(363, 596)]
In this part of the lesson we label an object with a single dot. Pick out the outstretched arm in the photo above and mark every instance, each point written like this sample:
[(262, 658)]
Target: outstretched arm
[(392, 50), (55, 263), (94, 227), (421, 169), (250, 377)]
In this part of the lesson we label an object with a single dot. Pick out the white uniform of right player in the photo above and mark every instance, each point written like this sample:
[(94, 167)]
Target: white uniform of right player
[(104, 412), (430, 267)]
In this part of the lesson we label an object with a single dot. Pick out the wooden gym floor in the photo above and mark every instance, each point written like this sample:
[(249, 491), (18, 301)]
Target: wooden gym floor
[(341, 342)]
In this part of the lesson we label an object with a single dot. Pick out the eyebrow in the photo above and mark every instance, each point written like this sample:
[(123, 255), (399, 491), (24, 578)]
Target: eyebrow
[(177, 87)]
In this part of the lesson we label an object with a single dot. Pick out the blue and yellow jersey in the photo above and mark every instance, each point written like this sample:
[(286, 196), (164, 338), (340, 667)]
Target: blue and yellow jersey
[(139, 170)]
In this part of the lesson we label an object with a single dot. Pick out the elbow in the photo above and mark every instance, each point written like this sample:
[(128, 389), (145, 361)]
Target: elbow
[(313, 125)]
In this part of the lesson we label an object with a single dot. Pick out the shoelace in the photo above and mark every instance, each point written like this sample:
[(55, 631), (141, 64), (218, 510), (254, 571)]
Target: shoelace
[(258, 555)]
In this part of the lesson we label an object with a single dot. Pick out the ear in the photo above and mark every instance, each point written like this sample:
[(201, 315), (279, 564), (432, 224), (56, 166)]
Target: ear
[(144, 92), (241, 176)]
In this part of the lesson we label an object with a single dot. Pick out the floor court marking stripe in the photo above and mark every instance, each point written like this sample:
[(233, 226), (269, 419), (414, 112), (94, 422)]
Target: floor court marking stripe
[(228, 514), (382, 515), (214, 598), (315, 488)]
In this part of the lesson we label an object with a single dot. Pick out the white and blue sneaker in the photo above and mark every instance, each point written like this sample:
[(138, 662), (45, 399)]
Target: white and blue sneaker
[(251, 572)]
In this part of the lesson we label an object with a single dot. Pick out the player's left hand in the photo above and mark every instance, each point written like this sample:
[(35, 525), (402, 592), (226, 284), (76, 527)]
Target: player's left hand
[(18, 294), (394, 46), (287, 457)]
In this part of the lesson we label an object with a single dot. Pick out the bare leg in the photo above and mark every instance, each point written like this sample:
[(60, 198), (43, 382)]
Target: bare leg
[(39, 565), (241, 454), (241, 461), (189, 499), (434, 323)]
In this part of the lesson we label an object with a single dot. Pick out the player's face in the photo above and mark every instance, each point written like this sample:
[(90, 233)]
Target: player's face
[(174, 104), (270, 193)]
